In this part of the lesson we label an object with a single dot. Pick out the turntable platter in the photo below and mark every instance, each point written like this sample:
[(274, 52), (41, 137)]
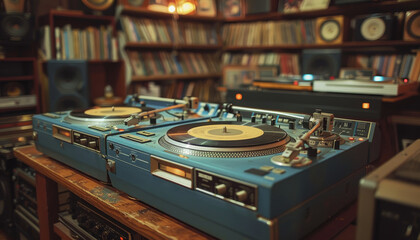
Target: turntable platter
[(112, 111), (225, 139), (103, 115)]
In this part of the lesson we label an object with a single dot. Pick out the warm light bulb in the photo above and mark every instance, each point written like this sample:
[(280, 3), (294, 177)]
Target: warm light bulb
[(185, 7), (171, 8)]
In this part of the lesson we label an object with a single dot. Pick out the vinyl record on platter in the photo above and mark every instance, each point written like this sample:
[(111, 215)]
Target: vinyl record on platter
[(412, 26), (373, 28), (226, 134), (108, 112)]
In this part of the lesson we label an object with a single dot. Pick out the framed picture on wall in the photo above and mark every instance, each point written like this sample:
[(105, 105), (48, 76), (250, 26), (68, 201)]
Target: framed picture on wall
[(206, 8), (232, 8)]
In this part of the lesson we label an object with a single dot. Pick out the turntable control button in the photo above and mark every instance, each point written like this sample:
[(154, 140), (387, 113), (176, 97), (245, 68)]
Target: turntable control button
[(291, 125), (253, 119), (264, 119), (83, 141), (76, 134), (241, 195), (273, 121), (92, 144), (220, 189)]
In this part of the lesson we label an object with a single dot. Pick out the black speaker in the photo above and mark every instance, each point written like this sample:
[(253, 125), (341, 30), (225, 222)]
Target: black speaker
[(68, 85), (16, 28), (323, 62)]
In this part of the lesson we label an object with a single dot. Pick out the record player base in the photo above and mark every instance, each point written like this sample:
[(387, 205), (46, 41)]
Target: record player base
[(140, 217)]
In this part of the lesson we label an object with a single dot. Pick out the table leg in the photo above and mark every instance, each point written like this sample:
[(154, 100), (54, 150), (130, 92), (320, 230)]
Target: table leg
[(47, 201)]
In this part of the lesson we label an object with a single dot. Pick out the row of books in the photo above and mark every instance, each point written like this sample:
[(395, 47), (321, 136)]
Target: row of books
[(166, 63), (269, 33), (392, 65), (91, 43), (204, 89), (289, 63), (167, 31)]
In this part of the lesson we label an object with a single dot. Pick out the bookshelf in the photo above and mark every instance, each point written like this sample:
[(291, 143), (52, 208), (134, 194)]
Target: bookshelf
[(179, 53), (19, 85), (70, 34), (249, 37), (73, 35)]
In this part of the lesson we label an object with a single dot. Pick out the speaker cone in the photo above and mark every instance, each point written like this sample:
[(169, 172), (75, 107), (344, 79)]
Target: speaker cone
[(68, 79), (15, 25), (413, 26)]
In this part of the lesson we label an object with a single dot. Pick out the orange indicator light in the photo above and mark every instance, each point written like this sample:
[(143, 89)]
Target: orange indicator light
[(64, 132), (361, 139), (120, 129), (365, 105), (351, 138), (238, 96), (175, 171)]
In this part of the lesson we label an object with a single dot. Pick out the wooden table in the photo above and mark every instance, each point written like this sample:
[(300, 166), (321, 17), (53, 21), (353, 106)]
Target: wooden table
[(140, 217)]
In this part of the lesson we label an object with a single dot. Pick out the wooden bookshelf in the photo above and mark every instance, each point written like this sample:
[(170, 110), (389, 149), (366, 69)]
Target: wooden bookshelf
[(23, 70), (347, 9), (144, 12), (170, 46), (76, 20), (351, 45)]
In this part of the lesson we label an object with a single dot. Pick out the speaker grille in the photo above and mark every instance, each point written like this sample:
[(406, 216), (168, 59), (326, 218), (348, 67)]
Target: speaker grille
[(68, 78), (15, 25)]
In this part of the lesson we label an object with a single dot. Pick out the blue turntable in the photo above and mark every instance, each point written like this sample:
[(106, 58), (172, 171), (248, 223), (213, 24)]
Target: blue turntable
[(77, 138), (248, 173)]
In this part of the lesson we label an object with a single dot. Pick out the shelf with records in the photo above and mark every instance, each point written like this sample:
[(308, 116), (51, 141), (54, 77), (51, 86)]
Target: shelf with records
[(202, 87), (168, 65), (163, 31), (170, 46), (289, 63), (389, 65), (281, 12), (323, 32), (68, 35)]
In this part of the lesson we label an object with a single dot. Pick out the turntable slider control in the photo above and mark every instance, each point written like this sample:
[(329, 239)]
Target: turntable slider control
[(241, 195), (92, 144), (220, 189), (83, 141)]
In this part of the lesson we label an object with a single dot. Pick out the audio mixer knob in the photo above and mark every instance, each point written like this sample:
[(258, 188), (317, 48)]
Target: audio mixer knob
[(241, 195), (220, 189)]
